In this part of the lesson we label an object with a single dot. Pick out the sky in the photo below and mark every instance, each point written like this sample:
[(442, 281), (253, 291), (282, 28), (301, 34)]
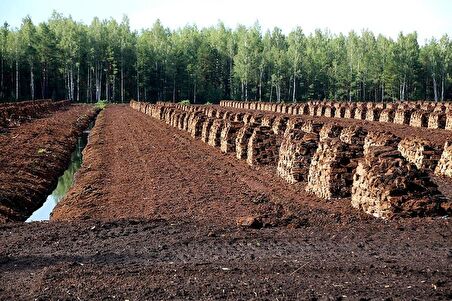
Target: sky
[(430, 18)]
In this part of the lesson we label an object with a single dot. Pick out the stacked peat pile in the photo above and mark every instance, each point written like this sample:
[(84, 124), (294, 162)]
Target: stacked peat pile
[(437, 120), (340, 110), (444, 167), (242, 139), (378, 138), (229, 135), (350, 111), (239, 117), (353, 135), (419, 118), (295, 153), (262, 147), (373, 114), (387, 115), (330, 111), (385, 184), (310, 126), (267, 120), (195, 124), (402, 116), (330, 130), (293, 123), (206, 129), (330, 173), (360, 112), (448, 125), (279, 124), (215, 133), (420, 153)]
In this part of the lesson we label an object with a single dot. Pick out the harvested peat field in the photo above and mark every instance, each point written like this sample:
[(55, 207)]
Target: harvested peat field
[(162, 208)]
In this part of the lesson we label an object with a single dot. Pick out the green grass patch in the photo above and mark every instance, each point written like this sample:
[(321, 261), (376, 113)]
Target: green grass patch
[(185, 102), (101, 104)]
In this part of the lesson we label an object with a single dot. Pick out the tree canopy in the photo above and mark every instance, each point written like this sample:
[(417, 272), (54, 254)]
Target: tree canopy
[(63, 58)]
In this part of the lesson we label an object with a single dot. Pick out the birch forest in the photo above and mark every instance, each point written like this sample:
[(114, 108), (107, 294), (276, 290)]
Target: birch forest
[(107, 60)]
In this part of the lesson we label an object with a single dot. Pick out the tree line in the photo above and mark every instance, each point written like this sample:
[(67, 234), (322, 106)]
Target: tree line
[(106, 60)]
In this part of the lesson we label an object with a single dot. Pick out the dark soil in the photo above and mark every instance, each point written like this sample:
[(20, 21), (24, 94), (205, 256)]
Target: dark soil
[(161, 260), (157, 215), (33, 156)]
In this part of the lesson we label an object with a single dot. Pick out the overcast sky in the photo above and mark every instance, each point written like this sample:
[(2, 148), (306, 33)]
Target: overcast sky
[(389, 17)]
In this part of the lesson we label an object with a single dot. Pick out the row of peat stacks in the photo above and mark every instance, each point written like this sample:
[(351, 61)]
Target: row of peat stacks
[(382, 174), (434, 115)]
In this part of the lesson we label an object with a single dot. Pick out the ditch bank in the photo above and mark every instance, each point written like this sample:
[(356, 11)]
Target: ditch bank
[(34, 155)]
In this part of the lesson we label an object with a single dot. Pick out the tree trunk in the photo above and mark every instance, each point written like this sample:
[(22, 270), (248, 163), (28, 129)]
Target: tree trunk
[(122, 81), (246, 91), (17, 79), (138, 85), (174, 88), (260, 85), (78, 82), (230, 78), (2, 92), (88, 85), (442, 88), (242, 94), (435, 89), (113, 90), (32, 82), (271, 92), (294, 87), (107, 95), (194, 92)]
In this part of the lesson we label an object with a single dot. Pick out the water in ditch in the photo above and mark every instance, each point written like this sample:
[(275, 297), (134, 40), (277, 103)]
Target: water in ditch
[(64, 182)]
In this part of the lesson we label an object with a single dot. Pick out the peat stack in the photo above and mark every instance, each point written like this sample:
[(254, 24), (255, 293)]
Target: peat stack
[(310, 126), (419, 118), (262, 147), (387, 115), (444, 167), (279, 125), (207, 124), (353, 135), (332, 166), (215, 133), (385, 184), (448, 125), (295, 154), (242, 139), (437, 120), (350, 111), (195, 124), (373, 114), (330, 130), (360, 113), (330, 111), (380, 138), (229, 135), (420, 153), (268, 119), (402, 116)]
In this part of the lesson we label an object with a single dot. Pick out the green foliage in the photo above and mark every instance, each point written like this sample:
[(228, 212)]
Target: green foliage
[(101, 104), (64, 58), (184, 102), (208, 103)]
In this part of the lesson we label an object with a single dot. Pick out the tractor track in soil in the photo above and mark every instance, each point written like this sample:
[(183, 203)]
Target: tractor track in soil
[(153, 215)]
